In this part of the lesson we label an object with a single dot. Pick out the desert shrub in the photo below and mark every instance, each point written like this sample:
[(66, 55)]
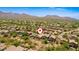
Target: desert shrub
[(78, 34), (2, 40), (9, 41), (65, 35), (16, 43), (19, 33), (14, 34), (74, 25), (25, 37), (66, 45), (24, 34), (49, 48), (45, 40), (63, 47), (30, 46), (5, 35), (77, 40), (58, 49)]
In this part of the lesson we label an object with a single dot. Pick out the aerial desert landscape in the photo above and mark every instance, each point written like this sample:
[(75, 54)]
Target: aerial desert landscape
[(25, 32)]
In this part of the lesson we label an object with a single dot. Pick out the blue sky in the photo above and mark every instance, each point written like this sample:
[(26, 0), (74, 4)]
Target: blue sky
[(43, 11)]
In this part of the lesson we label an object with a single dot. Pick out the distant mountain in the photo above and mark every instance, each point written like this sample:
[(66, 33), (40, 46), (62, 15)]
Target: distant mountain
[(58, 17), (4, 15)]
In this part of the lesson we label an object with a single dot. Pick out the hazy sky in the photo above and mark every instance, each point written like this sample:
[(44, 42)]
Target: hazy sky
[(43, 11)]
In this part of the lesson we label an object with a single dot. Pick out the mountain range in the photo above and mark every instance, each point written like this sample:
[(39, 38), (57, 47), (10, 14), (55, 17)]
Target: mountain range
[(9, 15)]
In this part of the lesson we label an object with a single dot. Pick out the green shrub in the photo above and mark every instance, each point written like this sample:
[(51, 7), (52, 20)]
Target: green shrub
[(2, 41), (14, 34), (16, 43), (30, 46), (63, 47), (49, 48), (24, 34), (45, 41), (25, 37), (66, 45)]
